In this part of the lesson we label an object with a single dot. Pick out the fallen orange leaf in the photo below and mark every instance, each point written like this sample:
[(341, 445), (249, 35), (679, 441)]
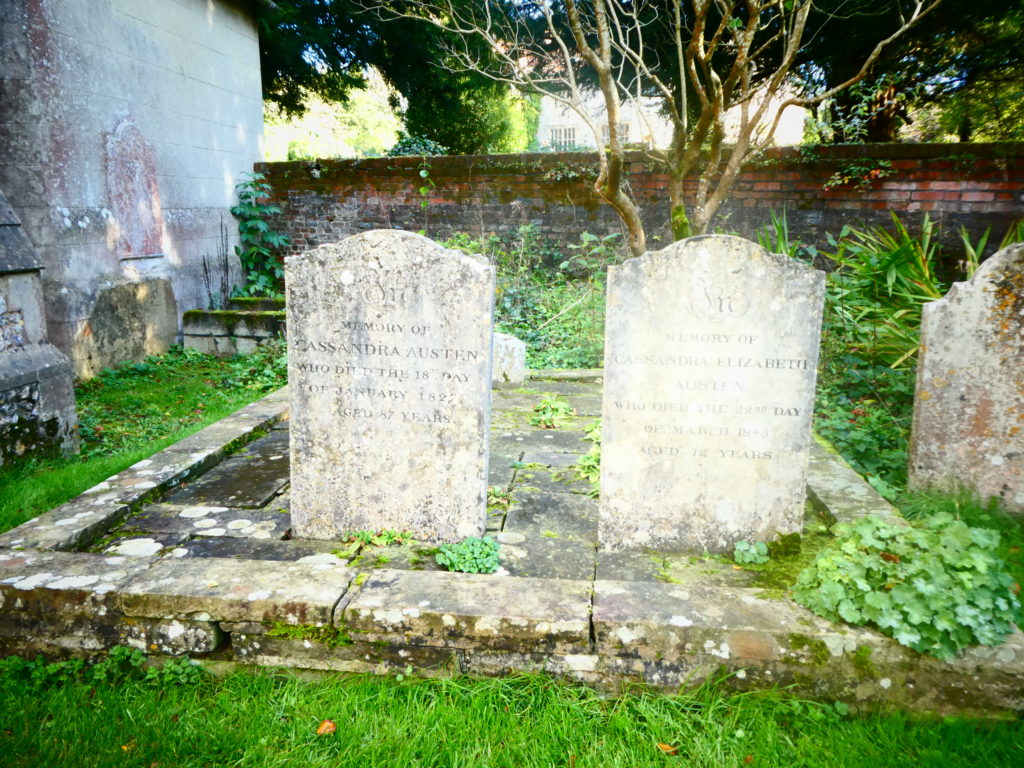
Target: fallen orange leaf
[(748, 759), (326, 727), (668, 749)]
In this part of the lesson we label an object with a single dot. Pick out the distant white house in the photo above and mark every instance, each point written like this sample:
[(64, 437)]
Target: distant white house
[(561, 128)]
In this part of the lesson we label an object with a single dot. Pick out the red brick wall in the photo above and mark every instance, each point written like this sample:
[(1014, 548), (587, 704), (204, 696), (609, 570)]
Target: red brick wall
[(973, 185)]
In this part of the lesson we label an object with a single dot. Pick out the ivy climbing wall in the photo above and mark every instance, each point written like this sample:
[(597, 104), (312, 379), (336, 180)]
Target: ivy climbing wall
[(974, 185)]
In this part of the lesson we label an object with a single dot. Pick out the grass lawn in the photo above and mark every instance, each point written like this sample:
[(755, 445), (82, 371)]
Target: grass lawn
[(130, 413), (258, 720)]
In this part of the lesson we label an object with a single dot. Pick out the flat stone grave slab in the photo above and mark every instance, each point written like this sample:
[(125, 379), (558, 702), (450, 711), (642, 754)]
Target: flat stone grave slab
[(203, 520), (298, 550), (249, 479), (232, 590), (464, 610)]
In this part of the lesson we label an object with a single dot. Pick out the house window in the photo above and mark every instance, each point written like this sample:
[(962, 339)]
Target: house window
[(623, 133), (563, 137)]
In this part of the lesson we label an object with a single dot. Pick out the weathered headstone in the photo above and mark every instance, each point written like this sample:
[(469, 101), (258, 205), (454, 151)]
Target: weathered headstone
[(389, 344), (711, 347), (968, 428), (509, 361)]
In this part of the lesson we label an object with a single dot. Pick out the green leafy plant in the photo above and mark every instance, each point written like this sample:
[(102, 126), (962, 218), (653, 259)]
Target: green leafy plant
[(264, 370), (559, 313), (937, 587), (755, 553), (260, 245), (552, 412), (471, 555), (499, 497), (875, 295), (589, 465), (427, 186), (859, 174), (120, 665), (411, 146), (592, 254)]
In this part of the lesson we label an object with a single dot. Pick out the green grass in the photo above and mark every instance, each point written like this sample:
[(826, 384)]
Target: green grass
[(129, 413), (265, 720)]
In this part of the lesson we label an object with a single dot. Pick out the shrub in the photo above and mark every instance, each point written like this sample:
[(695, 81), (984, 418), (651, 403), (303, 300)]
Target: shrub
[(419, 146), (936, 588)]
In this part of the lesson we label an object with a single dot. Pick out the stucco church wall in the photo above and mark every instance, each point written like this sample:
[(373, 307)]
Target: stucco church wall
[(126, 124)]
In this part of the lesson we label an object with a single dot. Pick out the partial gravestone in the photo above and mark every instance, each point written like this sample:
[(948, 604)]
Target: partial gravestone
[(37, 396), (389, 351), (509, 366), (711, 348), (968, 430)]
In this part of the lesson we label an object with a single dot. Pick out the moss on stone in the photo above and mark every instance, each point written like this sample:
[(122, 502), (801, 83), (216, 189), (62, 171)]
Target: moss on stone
[(332, 637), (820, 654), (861, 661), (795, 552)]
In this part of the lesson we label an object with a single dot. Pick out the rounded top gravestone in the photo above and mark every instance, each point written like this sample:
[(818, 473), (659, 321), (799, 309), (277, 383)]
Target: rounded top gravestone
[(711, 347), (968, 428), (389, 353)]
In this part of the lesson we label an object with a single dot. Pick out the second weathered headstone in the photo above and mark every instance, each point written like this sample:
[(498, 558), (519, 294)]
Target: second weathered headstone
[(969, 405), (389, 345), (711, 347), (509, 361)]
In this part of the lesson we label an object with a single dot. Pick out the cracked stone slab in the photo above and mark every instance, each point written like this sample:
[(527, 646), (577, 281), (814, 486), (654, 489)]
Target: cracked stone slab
[(242, 481), (281, 504), (551, 471), (66, 583), (463, 610), (834, 487), (646, 620), (45, 632), (572, 516), (377, 658), (213, 589), (546, 557), (208, 520), (292, 550), (501, 468), (77, 522), (553, 440)]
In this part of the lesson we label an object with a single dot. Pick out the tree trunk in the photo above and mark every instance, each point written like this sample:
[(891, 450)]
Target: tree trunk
[(680, 221)]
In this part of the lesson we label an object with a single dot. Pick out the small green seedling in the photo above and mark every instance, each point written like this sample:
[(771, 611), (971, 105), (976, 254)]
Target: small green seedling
[(552, 413), (746, 553), (471, 555)]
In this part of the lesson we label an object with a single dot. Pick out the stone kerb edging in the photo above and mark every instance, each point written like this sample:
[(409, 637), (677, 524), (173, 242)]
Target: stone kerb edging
[(95, 511), (317, 613)]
